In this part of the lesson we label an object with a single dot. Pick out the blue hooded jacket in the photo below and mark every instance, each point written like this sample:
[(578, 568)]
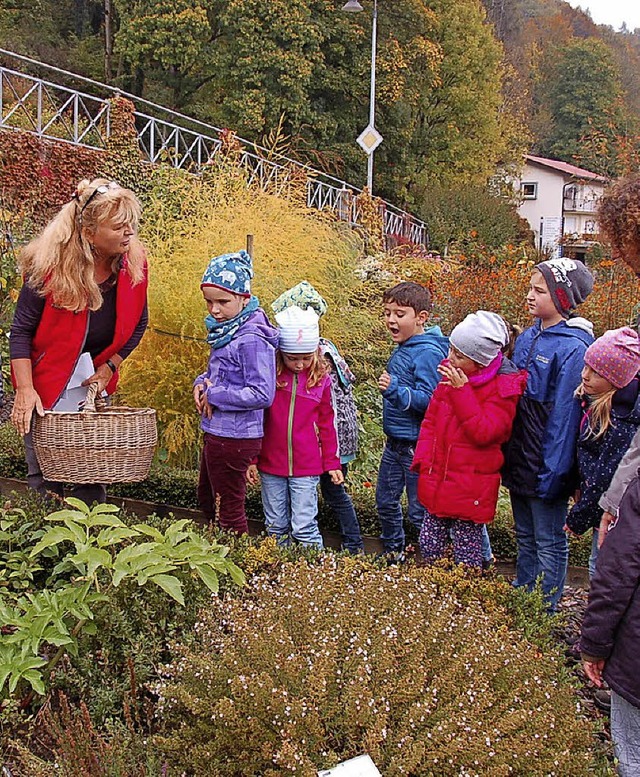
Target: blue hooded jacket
[(540, 456), (413, 367)]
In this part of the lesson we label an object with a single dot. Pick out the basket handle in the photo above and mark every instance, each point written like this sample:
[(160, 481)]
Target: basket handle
[(90, 401), (93, 401)]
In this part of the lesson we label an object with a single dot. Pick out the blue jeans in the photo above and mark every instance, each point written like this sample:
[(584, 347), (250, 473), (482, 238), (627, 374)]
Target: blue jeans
[(487, 553), (543, 548), (625, 733), (393, 478), (338, 499), (291, 509)]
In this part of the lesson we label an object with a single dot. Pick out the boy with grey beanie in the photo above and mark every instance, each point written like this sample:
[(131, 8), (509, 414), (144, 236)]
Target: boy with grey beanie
[(540, 456)]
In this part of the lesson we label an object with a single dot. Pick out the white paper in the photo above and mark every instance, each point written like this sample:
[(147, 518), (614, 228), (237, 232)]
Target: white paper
[(75, 394), (362, 766), (84, 369)]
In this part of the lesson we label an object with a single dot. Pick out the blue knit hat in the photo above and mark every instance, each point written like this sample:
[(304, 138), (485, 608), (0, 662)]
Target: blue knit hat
[(231, 272)]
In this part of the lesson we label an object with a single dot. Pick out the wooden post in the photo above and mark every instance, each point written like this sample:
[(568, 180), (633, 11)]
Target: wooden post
[(250, 245)]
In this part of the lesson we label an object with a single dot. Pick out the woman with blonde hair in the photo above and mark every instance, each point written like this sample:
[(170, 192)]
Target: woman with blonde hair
[(84, 296)]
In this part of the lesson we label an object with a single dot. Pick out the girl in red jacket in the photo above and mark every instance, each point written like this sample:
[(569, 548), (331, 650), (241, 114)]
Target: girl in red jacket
[(458, 455), (300, 439)]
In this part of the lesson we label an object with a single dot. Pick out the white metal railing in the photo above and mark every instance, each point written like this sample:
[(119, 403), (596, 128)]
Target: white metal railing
[(62, 113), (51, 110), (578, 205)]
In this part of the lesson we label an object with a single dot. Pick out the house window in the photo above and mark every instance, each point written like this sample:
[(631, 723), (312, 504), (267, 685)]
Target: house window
[(529, 190)]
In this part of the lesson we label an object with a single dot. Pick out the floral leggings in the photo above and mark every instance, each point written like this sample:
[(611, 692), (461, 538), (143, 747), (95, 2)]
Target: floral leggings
[(466, 537)]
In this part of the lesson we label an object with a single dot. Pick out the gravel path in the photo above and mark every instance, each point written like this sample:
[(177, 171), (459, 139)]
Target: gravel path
[(573, 606)]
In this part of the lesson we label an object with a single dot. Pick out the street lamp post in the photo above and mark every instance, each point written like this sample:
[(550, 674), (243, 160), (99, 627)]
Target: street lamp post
[(370, 139)]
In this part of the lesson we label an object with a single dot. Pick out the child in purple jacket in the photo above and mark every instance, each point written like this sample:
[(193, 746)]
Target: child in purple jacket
[(239, 384)]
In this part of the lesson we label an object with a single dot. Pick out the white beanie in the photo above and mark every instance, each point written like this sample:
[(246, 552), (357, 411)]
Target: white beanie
[(480, 337), (298, 329)]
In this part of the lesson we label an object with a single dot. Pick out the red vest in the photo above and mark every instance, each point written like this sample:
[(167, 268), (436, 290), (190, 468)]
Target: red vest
[(61, 334)]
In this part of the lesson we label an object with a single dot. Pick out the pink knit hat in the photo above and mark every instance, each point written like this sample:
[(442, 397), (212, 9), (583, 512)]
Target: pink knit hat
[(615, 356)]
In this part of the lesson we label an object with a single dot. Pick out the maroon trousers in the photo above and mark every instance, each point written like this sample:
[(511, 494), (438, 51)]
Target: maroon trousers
[(223, 468)]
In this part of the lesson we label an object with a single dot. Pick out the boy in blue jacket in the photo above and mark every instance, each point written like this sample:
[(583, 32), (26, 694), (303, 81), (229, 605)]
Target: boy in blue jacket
[(406, 385), (539, 466)]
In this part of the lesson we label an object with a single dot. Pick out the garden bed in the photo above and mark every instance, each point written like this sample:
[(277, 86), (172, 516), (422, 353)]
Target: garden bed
[(577, 576)]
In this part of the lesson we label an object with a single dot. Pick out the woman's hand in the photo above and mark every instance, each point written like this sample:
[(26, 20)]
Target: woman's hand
[(26, 401), (593, 670), (452, 376), (605, 522), (337, 477), (253, 478), (102, 376)]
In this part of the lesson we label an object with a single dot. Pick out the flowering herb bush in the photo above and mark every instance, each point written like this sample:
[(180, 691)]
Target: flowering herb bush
[(319, 663)]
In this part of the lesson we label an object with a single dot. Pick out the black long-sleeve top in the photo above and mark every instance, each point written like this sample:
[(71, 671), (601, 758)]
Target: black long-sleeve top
[(102, 323)]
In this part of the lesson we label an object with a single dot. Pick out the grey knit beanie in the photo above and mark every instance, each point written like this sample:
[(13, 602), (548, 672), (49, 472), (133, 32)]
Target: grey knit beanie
[(480, 337), (569, 281)]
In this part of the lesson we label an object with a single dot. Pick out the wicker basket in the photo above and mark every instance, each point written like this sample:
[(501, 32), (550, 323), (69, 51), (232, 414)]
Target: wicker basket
[(101, 444)]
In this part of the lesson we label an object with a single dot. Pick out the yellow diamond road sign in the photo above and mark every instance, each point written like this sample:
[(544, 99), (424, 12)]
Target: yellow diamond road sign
[(370, 139)]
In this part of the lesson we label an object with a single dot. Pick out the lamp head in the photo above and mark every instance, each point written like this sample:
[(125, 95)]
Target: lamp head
[(353, 6)]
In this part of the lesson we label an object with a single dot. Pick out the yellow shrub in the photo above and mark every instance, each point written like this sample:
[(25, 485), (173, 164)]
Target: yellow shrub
[(189, 220)]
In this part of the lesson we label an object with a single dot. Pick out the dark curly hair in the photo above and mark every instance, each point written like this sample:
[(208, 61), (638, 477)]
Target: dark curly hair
[(619, 213)]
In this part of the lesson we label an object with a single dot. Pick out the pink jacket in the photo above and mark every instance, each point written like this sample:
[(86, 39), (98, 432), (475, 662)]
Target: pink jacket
[(300, 436)]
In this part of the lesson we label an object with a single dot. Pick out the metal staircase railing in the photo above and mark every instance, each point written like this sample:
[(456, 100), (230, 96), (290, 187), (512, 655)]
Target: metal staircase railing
[(63, 113)]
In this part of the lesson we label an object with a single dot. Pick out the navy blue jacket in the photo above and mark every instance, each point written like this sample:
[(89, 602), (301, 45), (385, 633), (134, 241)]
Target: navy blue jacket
[(599, 459), (540, 456), (413, 367), (611, 625)]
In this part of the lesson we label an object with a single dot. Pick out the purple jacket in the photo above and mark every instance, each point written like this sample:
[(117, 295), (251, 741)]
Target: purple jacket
[(611, 625), (243, 374)]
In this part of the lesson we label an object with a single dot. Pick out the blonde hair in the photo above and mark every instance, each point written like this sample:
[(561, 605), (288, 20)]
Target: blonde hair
[(315, 374), (598, 417), (59, 262)]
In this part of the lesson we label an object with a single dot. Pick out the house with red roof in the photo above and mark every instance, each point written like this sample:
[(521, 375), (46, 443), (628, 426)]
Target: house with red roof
[(559, 201)]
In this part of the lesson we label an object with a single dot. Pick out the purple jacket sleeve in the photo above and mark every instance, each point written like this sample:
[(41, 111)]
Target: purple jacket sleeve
[(258, 389), (25, 322)]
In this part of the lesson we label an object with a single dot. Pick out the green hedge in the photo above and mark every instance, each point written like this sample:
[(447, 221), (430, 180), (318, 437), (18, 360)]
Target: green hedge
[(169, 486)]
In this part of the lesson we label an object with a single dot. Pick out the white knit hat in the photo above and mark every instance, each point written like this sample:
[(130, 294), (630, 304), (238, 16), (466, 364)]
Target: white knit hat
[(298, 329), (480, 337)]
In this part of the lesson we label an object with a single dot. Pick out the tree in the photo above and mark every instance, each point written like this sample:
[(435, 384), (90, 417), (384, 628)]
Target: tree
[(583, 95), (171, 42)]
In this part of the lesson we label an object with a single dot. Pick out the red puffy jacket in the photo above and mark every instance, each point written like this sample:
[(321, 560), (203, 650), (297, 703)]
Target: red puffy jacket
[(458, 455)]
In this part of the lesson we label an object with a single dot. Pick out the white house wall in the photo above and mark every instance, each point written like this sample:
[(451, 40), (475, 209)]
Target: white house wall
[(549, 205), (548, 201)]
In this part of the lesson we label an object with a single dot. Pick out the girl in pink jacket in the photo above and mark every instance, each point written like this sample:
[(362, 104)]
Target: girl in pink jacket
[(300, 440)]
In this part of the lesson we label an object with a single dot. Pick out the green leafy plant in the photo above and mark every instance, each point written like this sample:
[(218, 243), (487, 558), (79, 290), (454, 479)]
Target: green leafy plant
[(98, 552)]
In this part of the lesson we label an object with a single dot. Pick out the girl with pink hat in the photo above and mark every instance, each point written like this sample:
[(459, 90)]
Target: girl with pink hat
[(610, 398)]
